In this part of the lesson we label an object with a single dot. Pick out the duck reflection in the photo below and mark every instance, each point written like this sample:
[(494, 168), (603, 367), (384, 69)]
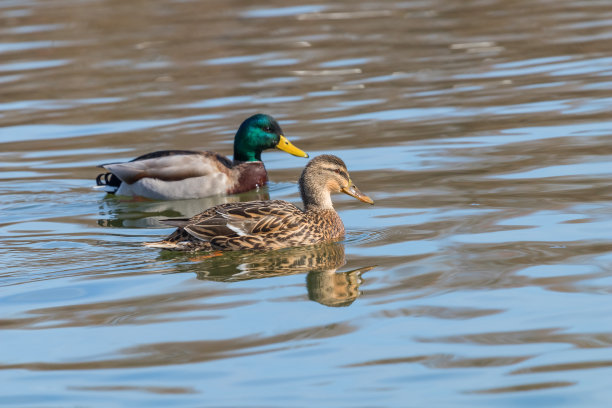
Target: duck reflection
[(335, 289), (128, 212), (325, 285)]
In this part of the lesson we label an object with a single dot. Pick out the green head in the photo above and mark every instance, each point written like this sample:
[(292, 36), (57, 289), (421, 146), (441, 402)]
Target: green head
[(258, 133)]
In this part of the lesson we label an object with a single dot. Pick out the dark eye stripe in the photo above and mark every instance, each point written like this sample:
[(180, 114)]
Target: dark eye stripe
[(338, 171)]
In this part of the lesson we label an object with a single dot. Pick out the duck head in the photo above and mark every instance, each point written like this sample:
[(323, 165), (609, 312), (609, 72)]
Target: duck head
[(258, 133), (324, 175)]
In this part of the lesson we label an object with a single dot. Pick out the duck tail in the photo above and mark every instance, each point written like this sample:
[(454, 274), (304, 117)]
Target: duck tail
[(164, 245), (179, 245), (175, 222), (108, 181)]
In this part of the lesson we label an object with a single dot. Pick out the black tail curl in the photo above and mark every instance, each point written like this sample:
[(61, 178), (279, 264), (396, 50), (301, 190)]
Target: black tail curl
[(108, 179)]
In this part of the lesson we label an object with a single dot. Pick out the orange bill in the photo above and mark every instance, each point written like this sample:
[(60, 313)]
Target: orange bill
[(353, 191)]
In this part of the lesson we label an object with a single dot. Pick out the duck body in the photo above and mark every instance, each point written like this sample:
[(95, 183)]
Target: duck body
[(181, 174), (186, 174), (271, 224)]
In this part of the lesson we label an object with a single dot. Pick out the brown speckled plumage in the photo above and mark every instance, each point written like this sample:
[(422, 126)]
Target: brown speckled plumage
[(271, 224)]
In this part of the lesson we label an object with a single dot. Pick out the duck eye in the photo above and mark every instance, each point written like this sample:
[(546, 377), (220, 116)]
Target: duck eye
[(267, 129)]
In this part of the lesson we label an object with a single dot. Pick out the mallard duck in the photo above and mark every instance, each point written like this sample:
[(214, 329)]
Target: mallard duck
[(185, 174), (271, 224)]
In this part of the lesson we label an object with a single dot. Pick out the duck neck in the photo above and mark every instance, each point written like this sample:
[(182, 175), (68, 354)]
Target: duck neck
[(246, 145), (314, 196), (242, 154)]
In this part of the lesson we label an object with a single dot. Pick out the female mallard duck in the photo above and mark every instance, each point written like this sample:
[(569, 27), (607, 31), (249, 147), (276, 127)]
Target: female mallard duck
[(271, 224), (184, 174)]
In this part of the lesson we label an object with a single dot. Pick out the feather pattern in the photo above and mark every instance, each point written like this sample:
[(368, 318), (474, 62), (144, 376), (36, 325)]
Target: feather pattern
[(185, 174), (170, 167), (272, 224)]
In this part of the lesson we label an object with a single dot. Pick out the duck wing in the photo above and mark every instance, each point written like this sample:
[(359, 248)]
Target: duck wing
[(170, 165), (244, 222)]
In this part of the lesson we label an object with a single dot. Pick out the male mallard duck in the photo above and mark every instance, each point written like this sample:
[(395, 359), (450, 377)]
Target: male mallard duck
[(271, 224), (184, 174)]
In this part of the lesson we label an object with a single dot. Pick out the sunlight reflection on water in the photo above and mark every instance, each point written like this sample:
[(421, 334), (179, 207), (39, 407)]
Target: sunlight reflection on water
[(480, 272)]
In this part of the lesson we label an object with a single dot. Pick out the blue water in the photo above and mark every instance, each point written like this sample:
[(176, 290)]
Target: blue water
[(479, 278)]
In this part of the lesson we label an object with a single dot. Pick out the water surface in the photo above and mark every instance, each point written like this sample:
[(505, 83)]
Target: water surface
[(480, 277)]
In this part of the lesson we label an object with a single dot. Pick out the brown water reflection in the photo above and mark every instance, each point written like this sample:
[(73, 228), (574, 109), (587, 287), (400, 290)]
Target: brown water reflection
[(128, 311), (154, 390), (174, 353), (525, 387), (480, 128), (142, 213), (320, 262), (582, 340)]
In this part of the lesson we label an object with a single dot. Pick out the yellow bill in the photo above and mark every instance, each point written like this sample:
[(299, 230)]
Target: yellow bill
[(353, 191), (286, 146)]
